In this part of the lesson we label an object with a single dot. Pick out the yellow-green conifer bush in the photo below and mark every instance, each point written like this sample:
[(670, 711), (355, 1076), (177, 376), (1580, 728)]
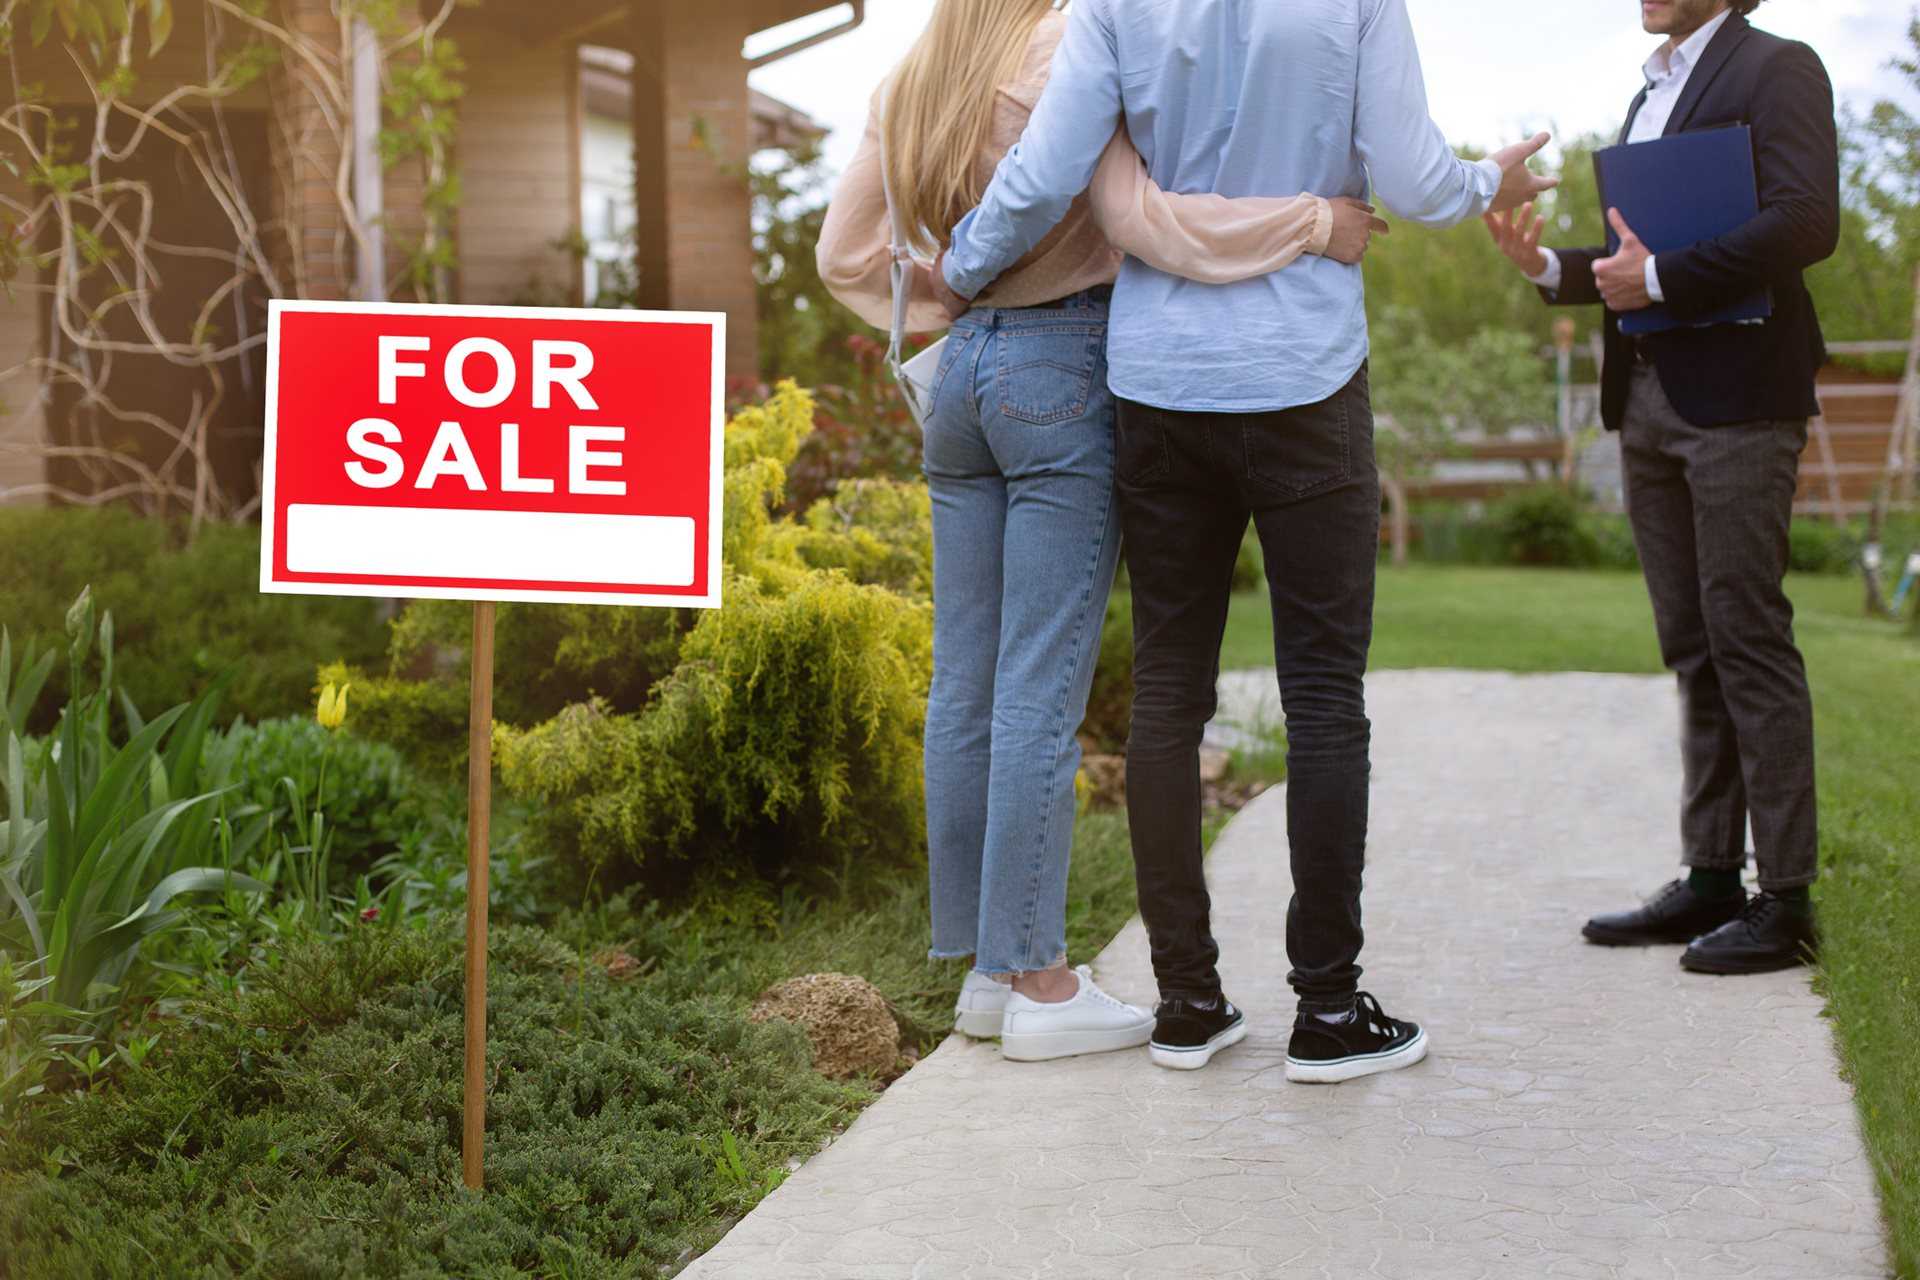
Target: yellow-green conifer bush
[(787, 737), (878, 531)]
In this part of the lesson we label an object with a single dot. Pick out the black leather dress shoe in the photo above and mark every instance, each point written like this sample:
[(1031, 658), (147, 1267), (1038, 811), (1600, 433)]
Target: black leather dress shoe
[(1676, 914), (1767, 935)]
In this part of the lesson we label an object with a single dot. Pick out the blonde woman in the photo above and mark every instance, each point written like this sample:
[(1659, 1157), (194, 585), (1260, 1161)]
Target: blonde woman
[(1019, 459)]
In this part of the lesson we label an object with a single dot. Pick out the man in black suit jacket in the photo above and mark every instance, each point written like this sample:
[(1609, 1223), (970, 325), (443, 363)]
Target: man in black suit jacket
[(1713, 420)]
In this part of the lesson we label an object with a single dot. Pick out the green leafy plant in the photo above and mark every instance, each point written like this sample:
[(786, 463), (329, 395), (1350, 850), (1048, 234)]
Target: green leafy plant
[(102, 837), (373, 801), (31, 1040)]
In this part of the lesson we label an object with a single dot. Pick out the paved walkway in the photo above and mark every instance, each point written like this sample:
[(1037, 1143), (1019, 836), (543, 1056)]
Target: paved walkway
[(1584, 1112)]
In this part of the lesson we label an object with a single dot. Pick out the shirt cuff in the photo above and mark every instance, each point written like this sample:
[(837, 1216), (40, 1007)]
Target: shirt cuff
[(1550, 278), (1490, 188), (967, 284), (1654, 290), (1322, 226)]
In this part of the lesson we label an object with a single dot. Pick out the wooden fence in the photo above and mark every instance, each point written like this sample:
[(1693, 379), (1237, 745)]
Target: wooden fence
[(1864, 438)]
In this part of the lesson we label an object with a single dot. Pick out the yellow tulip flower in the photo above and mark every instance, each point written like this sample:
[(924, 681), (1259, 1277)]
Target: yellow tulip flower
[(332, 712)]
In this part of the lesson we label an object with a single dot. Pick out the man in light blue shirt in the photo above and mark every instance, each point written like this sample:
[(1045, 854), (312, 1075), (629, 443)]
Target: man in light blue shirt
[(1237, 402), (1241, 98)]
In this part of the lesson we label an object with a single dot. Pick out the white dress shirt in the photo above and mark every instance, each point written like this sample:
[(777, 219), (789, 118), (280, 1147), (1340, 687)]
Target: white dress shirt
[(1667, 72)]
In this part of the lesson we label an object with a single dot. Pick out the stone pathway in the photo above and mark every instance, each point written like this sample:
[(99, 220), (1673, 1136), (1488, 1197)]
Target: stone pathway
[(1584, 1112)]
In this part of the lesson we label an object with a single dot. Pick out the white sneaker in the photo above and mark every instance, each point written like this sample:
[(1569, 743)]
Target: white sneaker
[(1091, 1022), (982, 1001)]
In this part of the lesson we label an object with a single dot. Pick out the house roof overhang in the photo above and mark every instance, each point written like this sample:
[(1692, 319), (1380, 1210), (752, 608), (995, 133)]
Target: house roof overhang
[(555, 21)]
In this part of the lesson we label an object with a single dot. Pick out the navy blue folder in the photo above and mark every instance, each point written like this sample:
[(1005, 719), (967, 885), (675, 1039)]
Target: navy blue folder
[(1675, 192)]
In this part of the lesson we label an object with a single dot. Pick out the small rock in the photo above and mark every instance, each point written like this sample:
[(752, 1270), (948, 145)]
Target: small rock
[(617, 962), (845, 1017)]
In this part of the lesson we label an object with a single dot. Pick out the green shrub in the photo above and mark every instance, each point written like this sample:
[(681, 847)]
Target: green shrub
[(373, 801), (545, 655), (426, 720), (1610, 537), (184, 614), (1250, 566), (1544, 525), (1450, 533), (1110, 703), (878, 532), (311, 1126), (1816, 545), (788, 739)]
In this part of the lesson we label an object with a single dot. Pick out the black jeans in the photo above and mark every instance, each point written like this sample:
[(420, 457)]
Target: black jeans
[(1188, 484), (1710, 508)]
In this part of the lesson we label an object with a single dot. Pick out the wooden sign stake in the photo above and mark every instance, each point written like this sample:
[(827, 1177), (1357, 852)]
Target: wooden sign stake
[(479, 823)]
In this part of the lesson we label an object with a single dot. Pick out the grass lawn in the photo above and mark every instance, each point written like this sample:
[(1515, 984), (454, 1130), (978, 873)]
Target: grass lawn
[(1866, 689), (1485, 619)]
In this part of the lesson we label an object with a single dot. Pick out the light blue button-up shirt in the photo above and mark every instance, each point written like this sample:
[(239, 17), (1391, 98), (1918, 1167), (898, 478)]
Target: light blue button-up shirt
[(1243, 98)]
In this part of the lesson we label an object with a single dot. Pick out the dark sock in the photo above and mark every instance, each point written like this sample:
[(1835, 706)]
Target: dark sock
[(1713, 884), (1797, 898)]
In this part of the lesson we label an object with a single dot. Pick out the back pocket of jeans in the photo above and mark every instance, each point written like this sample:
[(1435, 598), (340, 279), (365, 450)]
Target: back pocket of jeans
[(1045, 375), (1304, 449)]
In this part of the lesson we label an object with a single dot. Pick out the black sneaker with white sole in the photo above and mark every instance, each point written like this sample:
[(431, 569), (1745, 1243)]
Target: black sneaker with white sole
[(1323, 1052), (1188, 1032)]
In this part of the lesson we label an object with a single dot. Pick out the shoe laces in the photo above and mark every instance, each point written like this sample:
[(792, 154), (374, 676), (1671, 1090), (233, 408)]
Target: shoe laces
[(1368, 1010), (1667, 893), (1091, 989), (1761, 908)]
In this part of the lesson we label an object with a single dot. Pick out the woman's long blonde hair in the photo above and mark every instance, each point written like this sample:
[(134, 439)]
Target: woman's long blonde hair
[(939, 109)]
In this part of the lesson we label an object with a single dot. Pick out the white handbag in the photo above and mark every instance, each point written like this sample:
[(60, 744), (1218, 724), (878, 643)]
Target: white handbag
[(915, 376)]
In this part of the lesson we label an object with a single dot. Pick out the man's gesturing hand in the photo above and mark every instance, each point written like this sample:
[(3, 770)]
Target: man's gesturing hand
[(1519, 184), (1623, 277), (1518, 235)]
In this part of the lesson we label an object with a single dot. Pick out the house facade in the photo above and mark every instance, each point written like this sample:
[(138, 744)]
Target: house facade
[(534, 146)]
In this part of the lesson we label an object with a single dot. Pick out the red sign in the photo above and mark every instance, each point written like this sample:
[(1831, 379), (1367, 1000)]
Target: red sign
[(493, 453)]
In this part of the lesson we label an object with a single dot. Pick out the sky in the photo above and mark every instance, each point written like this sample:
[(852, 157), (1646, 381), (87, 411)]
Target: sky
[(1496, 69)]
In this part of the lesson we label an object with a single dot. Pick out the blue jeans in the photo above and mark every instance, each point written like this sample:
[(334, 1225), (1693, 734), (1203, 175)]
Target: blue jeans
[(1026, 534)]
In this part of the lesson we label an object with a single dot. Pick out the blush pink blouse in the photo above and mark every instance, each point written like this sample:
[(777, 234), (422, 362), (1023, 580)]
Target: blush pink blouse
[(1204, 237)]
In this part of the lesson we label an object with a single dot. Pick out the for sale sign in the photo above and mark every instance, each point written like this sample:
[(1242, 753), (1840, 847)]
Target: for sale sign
[(493, 453)]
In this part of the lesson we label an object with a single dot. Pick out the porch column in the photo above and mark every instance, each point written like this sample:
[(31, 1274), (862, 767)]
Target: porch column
[(652, 56), (709, 231)]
